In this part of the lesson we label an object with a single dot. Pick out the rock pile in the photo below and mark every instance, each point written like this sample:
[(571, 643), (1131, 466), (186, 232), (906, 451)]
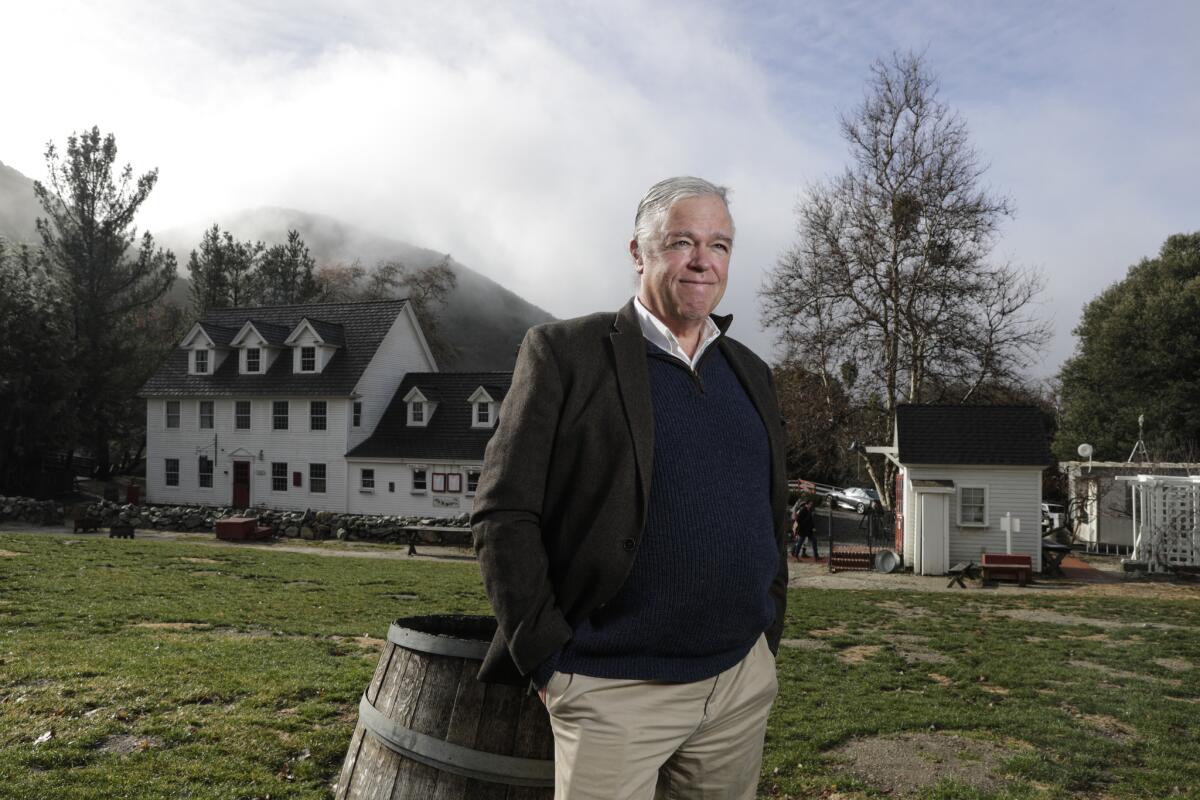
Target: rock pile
[(299, 524), (26, 509)]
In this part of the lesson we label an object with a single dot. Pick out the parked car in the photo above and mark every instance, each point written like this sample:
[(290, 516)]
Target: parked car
[(858, 498), (1053, 516)]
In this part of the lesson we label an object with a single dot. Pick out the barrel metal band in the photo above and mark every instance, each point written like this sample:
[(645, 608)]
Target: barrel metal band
[(454, 758), (438, 645)]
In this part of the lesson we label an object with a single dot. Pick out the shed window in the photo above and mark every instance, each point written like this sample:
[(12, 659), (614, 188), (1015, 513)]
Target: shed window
[(972, 506)]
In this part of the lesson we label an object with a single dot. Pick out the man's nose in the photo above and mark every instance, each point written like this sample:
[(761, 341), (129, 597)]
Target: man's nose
[(702, 259)]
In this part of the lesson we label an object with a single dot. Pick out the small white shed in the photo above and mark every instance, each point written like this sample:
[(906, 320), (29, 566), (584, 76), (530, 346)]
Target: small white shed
[(967, 472)]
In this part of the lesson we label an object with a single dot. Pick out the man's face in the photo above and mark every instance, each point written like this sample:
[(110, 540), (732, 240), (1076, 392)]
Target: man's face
[(685, 268)]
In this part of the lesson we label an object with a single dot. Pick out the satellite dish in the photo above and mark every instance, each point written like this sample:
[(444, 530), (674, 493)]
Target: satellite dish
[(1085, 451)]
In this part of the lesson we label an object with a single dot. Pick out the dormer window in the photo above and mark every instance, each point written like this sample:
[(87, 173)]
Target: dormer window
[(308, 359), (253, 359), (420, 408), (201, 357), (483, 411)]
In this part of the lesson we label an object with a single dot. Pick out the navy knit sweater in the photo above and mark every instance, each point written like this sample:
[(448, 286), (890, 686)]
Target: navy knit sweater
[(697, 596)]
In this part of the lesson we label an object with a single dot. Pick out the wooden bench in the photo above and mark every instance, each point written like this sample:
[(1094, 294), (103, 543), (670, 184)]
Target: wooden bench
[(1008, 566), (120, 531), (963, 569)]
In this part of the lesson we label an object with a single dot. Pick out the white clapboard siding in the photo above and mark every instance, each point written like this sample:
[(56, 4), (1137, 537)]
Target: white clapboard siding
[(1015, 490), (298, 446), (393, 492), (403, 350)]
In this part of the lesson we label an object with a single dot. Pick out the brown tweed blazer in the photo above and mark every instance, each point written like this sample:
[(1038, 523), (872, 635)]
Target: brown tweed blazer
[(566, 478)]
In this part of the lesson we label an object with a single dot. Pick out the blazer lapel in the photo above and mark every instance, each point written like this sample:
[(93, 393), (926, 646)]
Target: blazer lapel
[(629, 350)]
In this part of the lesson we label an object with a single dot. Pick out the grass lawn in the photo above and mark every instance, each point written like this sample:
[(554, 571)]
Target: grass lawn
[(171, 669)]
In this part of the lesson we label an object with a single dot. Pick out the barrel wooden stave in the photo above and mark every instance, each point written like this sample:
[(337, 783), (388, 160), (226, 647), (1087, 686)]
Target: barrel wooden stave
[(438, 695)]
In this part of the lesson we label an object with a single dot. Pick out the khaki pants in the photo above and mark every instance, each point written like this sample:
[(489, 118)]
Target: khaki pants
[(637, 740)]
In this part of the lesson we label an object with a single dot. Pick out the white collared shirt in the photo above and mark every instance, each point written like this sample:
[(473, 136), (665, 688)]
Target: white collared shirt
[(660, 335)]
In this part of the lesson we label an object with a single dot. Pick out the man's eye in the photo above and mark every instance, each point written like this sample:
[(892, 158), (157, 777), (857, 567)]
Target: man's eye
[(724, 248)]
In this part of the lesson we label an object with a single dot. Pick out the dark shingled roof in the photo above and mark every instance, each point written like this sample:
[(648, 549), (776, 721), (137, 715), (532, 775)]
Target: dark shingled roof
[(274, 334), (221, 335), (363, 326), (331, 332), (449, 433), (985, 435)]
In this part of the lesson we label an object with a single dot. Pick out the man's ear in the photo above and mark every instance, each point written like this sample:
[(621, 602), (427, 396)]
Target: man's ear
[(636, 254)]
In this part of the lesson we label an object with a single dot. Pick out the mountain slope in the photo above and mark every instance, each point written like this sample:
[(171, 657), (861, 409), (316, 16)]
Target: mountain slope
[(18, 206)]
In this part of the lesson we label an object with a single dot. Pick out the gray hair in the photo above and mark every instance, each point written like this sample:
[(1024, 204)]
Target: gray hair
[(658, 201)]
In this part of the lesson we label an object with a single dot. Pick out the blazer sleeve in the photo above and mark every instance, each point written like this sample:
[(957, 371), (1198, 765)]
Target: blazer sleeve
[(779, 586), (508, 511)]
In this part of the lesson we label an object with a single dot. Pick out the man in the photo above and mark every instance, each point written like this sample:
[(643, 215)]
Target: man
[(631, 525), (806, 529)]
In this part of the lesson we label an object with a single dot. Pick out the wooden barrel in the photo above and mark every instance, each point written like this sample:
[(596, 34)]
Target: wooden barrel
[(428, 730)]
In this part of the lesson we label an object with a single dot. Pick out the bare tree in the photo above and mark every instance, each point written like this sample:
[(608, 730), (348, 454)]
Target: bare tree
[(890, 277)]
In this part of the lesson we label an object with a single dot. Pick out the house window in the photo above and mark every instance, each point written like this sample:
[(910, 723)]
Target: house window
[(972, 506), (201, 362), (279, 476), (483, 414), (242, 415), (316, 478), (172, 413), (172, 471), (419, 481), (308, 359), (366, 480), (206, 472), (279, 415), (357, 413), (252, 359), (316, 415), (417, 412), (206, 414), (472, 480)]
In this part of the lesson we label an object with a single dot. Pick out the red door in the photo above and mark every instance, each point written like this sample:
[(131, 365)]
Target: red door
[(241, 484)]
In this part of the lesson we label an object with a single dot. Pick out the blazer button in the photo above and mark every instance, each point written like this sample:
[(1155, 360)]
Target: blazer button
[(628, 544)]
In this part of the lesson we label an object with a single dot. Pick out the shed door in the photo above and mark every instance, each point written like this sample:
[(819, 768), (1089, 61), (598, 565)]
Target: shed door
[(934, 533)]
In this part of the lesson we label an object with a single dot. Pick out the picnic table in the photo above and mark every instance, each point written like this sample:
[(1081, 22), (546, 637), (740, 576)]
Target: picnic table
[(963, 569), (1053, 554)]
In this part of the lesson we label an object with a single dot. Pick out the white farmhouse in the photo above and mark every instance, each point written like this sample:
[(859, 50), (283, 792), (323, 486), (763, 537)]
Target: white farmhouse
[(260, 407), (964, 470)]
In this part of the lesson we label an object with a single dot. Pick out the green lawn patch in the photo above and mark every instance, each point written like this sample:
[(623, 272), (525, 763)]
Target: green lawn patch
[(164, 669)]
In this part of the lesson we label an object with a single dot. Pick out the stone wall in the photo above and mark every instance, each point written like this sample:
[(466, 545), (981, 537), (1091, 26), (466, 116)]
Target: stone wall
[(295, 524), (26, 509)]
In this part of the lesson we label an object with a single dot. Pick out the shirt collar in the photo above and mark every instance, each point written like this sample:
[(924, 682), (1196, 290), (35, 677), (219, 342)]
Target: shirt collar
[(659, 335)]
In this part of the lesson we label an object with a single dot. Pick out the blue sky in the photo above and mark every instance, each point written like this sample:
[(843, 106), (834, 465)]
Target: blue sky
[(519, 138)]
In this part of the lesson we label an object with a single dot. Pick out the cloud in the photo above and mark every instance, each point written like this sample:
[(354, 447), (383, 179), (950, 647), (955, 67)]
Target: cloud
[(519, 137)]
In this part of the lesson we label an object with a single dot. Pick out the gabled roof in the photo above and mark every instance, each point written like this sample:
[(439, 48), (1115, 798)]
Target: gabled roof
[(219, 335), (448, 434), (981, 435), (363, 326), (329, 333), (273, 334)]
